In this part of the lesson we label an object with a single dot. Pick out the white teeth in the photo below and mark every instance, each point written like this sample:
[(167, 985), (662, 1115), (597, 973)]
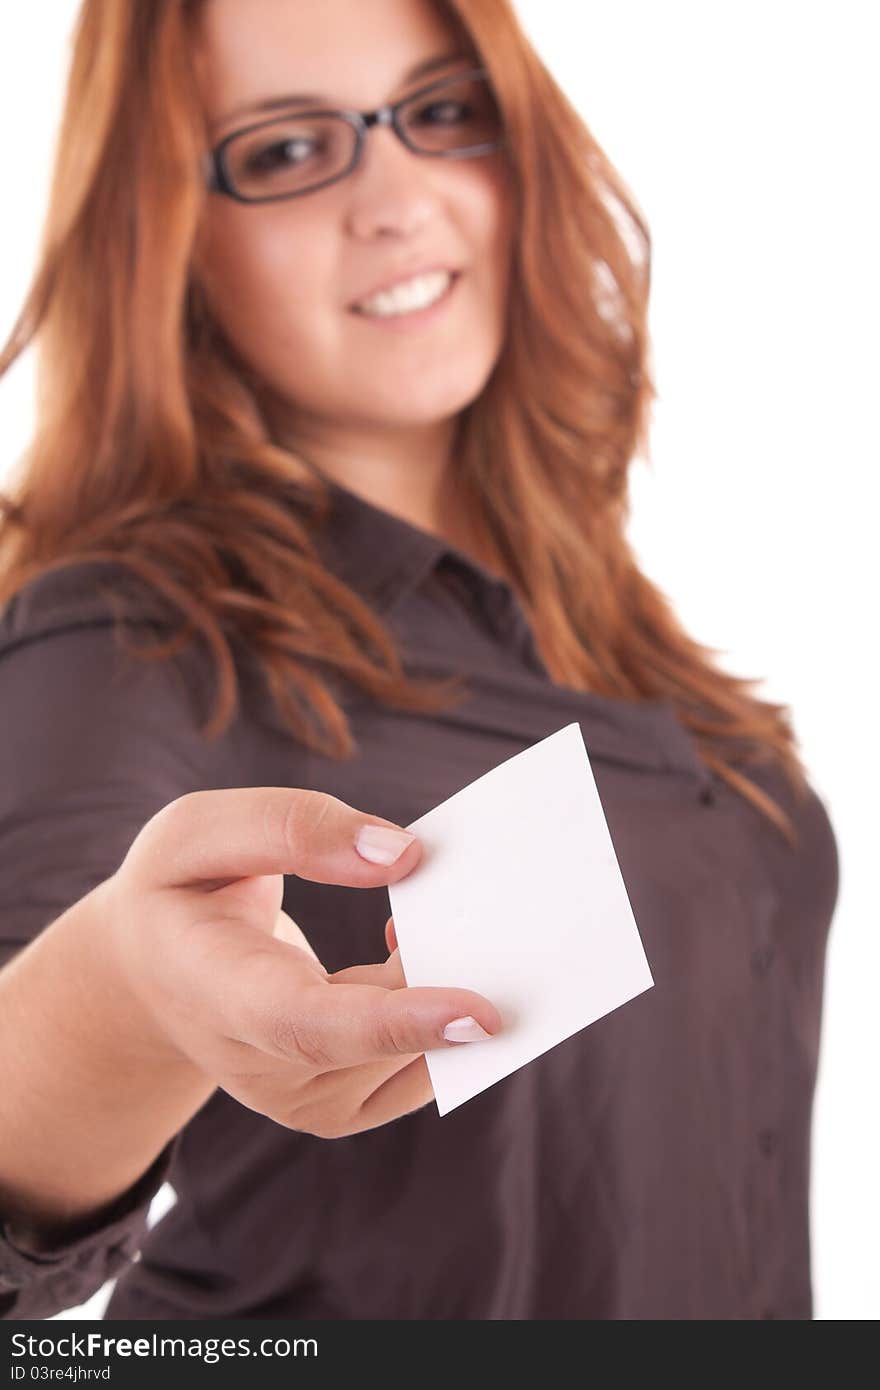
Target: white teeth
[(408, 296)]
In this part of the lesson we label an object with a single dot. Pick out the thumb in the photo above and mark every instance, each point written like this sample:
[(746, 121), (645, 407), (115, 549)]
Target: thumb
[(208, 839)]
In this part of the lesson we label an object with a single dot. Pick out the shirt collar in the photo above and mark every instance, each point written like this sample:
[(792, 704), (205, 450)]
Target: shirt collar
[(383, 558), (378, 554)]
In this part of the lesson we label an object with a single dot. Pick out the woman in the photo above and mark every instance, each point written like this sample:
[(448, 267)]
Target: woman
[(387, 519)]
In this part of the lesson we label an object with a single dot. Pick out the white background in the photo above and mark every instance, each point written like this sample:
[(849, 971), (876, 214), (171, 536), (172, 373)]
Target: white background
[(748, 134)]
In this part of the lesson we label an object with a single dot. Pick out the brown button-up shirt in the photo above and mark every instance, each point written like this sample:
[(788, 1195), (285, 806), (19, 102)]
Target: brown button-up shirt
[(655, 1165)]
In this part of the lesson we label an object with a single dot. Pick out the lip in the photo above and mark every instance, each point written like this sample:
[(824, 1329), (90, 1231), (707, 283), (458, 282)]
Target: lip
[(398, 279), (402, 323)]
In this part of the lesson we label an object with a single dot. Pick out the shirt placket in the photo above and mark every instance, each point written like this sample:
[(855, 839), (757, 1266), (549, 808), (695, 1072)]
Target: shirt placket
[(499, 608)]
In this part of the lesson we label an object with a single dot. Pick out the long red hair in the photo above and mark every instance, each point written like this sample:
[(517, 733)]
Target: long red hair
[(152, 448)]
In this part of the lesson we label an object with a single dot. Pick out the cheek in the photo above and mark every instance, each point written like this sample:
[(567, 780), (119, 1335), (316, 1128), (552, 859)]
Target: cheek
[(263, 280), (497, 220)]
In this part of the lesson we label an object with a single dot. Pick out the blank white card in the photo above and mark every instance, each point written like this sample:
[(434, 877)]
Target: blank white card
[(519, 896)]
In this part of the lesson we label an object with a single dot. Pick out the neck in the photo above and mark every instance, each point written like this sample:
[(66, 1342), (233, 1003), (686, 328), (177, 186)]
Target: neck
[(407, 472)]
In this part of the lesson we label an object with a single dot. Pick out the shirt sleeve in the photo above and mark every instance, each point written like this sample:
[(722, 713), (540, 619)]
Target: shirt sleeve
[(39, 1285), (93, 742)]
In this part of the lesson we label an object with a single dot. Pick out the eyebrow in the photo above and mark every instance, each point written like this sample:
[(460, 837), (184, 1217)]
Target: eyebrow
[(275, 103)]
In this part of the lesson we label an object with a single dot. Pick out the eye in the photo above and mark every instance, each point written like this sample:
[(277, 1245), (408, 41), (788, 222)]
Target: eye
[(280, 154), (450, 111)]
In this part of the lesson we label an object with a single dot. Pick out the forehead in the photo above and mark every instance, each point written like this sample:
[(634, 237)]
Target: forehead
[(355, 51)]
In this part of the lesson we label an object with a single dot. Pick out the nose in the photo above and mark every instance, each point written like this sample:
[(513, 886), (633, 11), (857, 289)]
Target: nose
[(391, 191)]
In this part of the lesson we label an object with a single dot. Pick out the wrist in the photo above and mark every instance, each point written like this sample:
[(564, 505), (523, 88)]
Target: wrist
[(99, 930)]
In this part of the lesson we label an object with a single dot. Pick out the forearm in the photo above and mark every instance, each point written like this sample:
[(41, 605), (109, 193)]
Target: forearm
[(90, 1096)]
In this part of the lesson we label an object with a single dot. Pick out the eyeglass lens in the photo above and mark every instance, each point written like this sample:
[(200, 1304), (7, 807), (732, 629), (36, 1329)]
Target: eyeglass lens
[(301, 151)]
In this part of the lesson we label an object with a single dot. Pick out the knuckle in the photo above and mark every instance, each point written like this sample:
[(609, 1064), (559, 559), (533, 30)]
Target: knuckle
[(292, 828), (316, 1120), (166, 827), (181, 817), (276, 828), (328, 1129), (159, 823), (321, 1129), (296, 1035), (184, 808), (391, 1032)]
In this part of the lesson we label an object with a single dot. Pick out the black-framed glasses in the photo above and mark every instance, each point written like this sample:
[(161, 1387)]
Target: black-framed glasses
[(456, 117)]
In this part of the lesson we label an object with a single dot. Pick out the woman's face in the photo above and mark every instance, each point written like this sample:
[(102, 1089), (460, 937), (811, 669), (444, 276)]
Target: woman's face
[(281, 277)]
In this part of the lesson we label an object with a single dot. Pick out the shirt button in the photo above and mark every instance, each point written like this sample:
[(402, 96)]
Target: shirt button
[(767, 1139), (707, 795), (762, 959)]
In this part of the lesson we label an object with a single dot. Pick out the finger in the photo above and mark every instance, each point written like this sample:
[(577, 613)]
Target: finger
[(287, 930), (407, 1090), (363, 1080), (256, 900), (390, 935), (227, 973), (334, 1096), (388, 974), (288, 1013), (208, 839)]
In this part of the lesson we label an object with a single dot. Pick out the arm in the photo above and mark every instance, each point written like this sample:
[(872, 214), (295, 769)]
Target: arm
[(184, 962), (87, 1105), (93, 742)]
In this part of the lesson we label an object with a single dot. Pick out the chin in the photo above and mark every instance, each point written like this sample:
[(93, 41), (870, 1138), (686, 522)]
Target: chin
[(414, 400)]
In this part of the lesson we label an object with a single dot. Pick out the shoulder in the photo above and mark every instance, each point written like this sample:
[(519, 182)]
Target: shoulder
[(75, 642), (806, 875), (77, 596)]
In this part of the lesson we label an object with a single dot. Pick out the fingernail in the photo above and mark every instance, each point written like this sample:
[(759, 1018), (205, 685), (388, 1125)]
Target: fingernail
[(465, 1029), (381, 845)]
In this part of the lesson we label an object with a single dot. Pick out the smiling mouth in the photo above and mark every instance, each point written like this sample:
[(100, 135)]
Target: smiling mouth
[(412, 303)]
